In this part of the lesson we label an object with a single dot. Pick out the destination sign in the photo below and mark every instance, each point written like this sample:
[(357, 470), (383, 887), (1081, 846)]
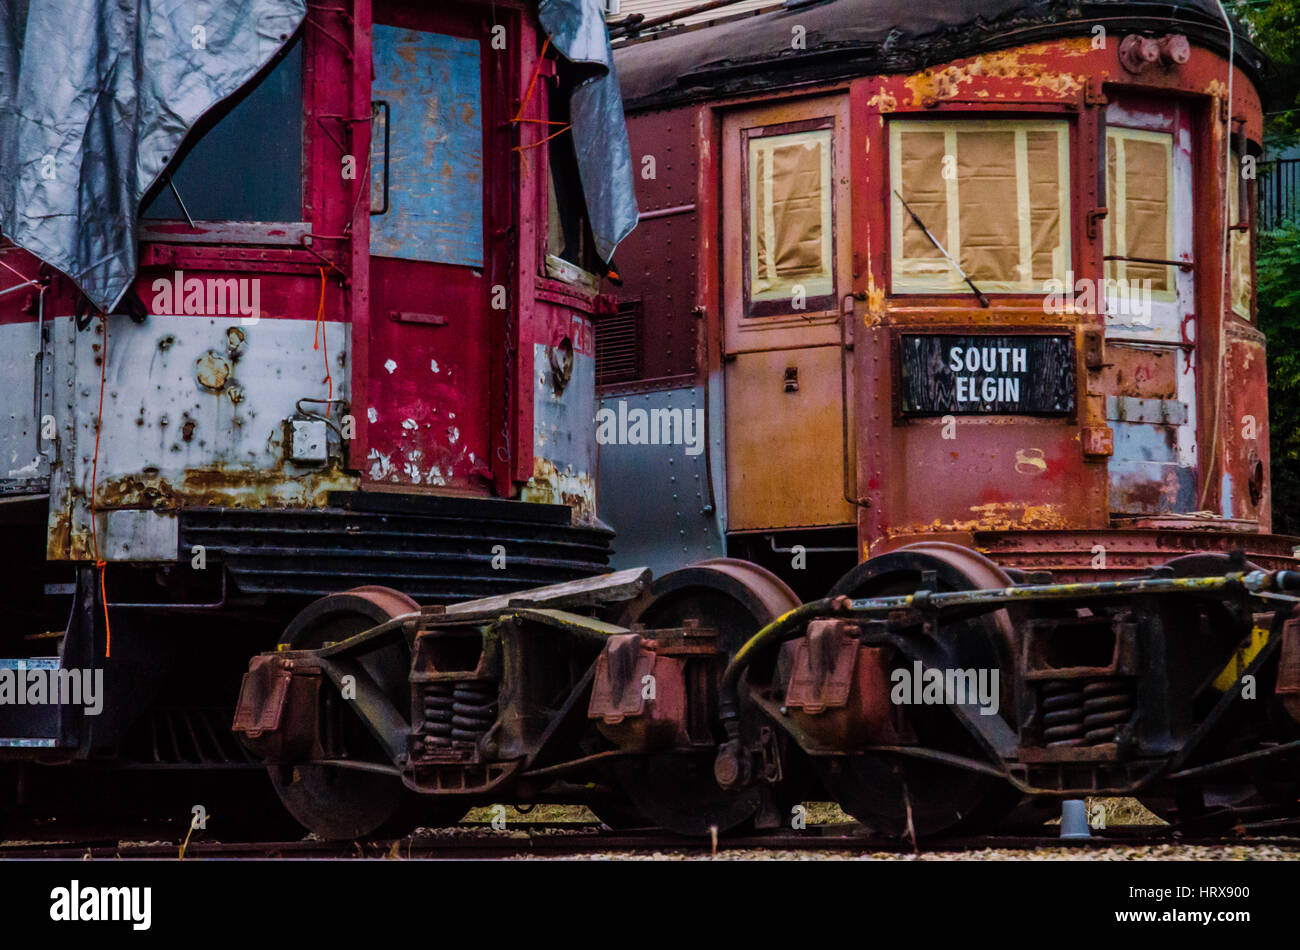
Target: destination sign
[(944, 374)]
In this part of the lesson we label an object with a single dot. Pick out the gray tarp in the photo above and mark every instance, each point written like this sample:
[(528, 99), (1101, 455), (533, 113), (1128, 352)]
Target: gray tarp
[(577, 28), (95, 98)]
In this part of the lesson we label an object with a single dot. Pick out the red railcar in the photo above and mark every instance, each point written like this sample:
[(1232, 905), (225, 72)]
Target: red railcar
[(355, 349)]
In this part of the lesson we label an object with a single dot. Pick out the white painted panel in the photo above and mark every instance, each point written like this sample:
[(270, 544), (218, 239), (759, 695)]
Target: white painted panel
[(168, 440)]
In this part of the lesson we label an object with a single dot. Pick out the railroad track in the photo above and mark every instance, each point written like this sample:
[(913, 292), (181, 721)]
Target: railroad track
[(560, 839)]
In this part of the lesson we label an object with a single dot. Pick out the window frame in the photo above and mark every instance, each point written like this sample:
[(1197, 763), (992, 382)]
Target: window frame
[(239, 232), (951, 125), (781, 308), (1120, 184)]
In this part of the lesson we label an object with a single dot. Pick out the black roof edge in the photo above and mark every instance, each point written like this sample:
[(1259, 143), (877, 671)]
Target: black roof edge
[(830, 63)]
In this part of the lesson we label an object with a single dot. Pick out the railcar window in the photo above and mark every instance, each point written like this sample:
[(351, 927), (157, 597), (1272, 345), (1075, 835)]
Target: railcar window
[(994, 193), (1241, 275), (1140, 225), (245, 162), (432, 83), (568, 233), (789, 254)]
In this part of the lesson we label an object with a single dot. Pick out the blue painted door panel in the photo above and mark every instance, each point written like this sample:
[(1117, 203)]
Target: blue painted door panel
[(432, 85)]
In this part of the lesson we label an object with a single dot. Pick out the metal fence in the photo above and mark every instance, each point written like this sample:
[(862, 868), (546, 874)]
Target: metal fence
[(1279, 192)]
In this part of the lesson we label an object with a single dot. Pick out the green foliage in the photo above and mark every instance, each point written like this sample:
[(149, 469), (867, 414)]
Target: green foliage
[(1277, 272), (1275, 27)]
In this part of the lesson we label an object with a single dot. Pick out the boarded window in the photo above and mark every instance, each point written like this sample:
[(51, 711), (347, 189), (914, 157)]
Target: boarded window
[(243, 162), (432, 84), (1241, 275), (995, 194), (1140, 225), (790, 226)]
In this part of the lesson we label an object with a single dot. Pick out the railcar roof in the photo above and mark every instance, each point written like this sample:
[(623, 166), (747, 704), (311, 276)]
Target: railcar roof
[(863, 37)]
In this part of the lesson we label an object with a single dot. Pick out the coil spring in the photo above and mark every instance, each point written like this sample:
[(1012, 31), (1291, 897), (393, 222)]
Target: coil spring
[(458, 712), (1107, 705), (1085, 712)]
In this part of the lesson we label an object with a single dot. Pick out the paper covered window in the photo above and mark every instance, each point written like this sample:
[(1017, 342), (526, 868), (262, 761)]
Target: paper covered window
[(1139, 196), (1240, 274), (995, 195), (790, 224)]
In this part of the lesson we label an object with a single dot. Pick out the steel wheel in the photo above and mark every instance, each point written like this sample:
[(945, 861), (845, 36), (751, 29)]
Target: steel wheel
[(899, 795), (341, 803), (737, 598)]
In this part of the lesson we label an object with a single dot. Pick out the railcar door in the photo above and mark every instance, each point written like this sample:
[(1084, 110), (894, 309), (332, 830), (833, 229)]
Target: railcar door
[(427, 399), (786, 267), (1150, 308)]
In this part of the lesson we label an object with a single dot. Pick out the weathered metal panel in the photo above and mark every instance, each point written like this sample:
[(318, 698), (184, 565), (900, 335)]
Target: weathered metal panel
[(194, 412), (656, 496), (24, 462), (427, 393), (865, 37), (432, 85), (564, 453), (784, 444), (1246, 487), (657, 261)]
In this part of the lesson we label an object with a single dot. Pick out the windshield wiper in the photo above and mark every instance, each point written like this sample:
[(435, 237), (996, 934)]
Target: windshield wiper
[(979, 295)]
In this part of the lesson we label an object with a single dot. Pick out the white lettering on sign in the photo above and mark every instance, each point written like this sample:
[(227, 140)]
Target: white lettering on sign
[(988, 359)]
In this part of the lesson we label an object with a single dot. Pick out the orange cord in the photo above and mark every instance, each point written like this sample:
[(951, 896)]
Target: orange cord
[(100, 564), (532, 83), (320, 338), (528, 98)]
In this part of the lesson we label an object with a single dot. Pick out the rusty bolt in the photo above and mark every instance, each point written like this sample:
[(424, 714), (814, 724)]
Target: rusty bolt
[(1175, 50), (1136, 53)]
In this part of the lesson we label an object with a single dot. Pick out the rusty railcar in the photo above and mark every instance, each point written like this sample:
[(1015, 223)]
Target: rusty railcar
[(356, 351), (938, 317), (958, 290)]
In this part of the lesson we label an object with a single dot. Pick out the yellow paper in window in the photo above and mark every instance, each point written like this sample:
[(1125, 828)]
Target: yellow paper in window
[(926, 192), (1146, 209), (1239, 273), (989, 199), (1043, 149), (790, 222)]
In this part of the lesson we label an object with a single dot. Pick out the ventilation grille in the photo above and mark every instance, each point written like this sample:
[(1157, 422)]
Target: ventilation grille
[(618, 344)]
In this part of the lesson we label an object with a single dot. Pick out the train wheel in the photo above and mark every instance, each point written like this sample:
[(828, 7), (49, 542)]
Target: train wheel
[(737, 598), (341, 803), (898, 795)]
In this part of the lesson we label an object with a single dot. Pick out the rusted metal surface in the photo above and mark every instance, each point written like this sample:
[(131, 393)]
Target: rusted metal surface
[(881, 36), (1157, 429), (1081, 555), (273, 686), (837, 691), (638, 697)]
